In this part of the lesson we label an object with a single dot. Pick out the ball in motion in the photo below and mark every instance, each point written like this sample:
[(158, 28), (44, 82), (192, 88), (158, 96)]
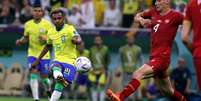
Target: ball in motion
[(83, 64)]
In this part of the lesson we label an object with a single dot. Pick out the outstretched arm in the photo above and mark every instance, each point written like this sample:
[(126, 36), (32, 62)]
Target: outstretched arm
[(186, 34), (144, 22), (44, 51)]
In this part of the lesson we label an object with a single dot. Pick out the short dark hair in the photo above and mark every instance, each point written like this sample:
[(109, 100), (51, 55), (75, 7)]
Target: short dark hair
[(57, 11), (37, 3)]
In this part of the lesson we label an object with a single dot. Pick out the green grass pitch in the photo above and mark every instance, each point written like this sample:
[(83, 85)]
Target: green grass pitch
[(11, 98)]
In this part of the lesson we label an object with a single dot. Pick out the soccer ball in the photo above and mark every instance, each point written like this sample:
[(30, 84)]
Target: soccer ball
[(83, 64)]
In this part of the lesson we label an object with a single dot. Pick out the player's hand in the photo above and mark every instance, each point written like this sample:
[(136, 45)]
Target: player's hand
[(18, 42), (35, 63), (145, 22)]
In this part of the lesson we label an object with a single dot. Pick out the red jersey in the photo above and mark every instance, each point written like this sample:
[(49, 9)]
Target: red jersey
[(164, 29), (193, 14)]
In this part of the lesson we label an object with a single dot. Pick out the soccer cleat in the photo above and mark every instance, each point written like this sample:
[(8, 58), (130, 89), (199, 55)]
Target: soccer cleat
[(112, 96), (62, 80), (48, 94)]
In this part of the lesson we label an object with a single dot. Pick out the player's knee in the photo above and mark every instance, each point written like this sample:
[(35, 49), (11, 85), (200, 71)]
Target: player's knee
[(137, 75), (166, 92)]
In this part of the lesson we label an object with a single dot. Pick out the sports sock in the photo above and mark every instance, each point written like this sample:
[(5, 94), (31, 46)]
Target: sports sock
[(129, 89), (57, 72), (57, 92), (46, 82), (34, 85), (177, 96), (55, 95)]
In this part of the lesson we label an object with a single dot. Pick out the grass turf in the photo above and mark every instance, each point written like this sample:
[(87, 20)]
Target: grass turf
[(11, 98)]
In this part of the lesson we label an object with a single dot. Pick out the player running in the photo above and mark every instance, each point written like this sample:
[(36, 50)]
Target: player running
[(35, 33), (192, 20), (63, 38), (164, 23)]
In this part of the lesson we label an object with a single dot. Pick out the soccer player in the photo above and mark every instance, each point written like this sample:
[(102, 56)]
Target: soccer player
[(164, 23), (192, 20), (35, 33), (63, 38)]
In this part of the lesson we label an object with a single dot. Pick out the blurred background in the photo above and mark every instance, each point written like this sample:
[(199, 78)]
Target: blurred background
[(111, 22)]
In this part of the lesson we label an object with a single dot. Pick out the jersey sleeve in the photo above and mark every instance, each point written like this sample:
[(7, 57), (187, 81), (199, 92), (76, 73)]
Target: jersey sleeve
[(75, 33), (147, 13), (48, 26), (26, 29), (179, 18), (187, 12), (49, 40)]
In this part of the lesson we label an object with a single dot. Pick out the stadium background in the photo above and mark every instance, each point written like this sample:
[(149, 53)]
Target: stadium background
[(113, 36)]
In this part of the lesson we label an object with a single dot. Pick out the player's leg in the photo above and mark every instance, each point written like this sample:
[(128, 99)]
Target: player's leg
[(197, 65), (143, 72), (166, 89), (64, 75), (44, 71), (59, 86), (33, 79)]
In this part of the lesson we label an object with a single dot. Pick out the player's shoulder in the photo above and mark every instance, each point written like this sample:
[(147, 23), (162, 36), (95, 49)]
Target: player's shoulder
[(68, 26), (176, 13), (45, 21), (29, 22), (51, 30), (193, 2), (151, 9)]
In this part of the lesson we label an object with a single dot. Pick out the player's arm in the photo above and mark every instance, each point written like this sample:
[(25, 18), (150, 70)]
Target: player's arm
[(139, 18), (22, 40), (186, 34), (43, 52), (76, 39)]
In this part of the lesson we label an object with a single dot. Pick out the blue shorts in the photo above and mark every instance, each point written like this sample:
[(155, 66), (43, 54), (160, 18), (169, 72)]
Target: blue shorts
[(82, 79), (67, 70), (42, 67)]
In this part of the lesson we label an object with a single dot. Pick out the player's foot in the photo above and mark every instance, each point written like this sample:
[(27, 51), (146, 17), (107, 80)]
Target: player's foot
[(62, 80), (112, 96), (48, 94)]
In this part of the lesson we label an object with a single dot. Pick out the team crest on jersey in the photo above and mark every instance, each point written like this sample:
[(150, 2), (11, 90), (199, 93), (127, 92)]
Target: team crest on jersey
[(63, 38), (159, 21), (167, 21)]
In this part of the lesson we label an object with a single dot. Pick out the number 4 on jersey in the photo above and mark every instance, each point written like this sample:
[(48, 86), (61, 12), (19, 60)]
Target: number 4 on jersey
[(155, 28)]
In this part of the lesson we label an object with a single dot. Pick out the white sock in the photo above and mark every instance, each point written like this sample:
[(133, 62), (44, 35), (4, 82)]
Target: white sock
[(94, 95), (57, 73), (34, 88), (55, 96)]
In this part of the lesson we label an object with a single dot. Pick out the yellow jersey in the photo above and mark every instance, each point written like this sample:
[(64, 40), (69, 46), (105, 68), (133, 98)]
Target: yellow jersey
[(33, 31), (64, 49)]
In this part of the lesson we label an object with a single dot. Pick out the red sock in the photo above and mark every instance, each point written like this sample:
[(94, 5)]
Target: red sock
[(129, 89), (178, 97)]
